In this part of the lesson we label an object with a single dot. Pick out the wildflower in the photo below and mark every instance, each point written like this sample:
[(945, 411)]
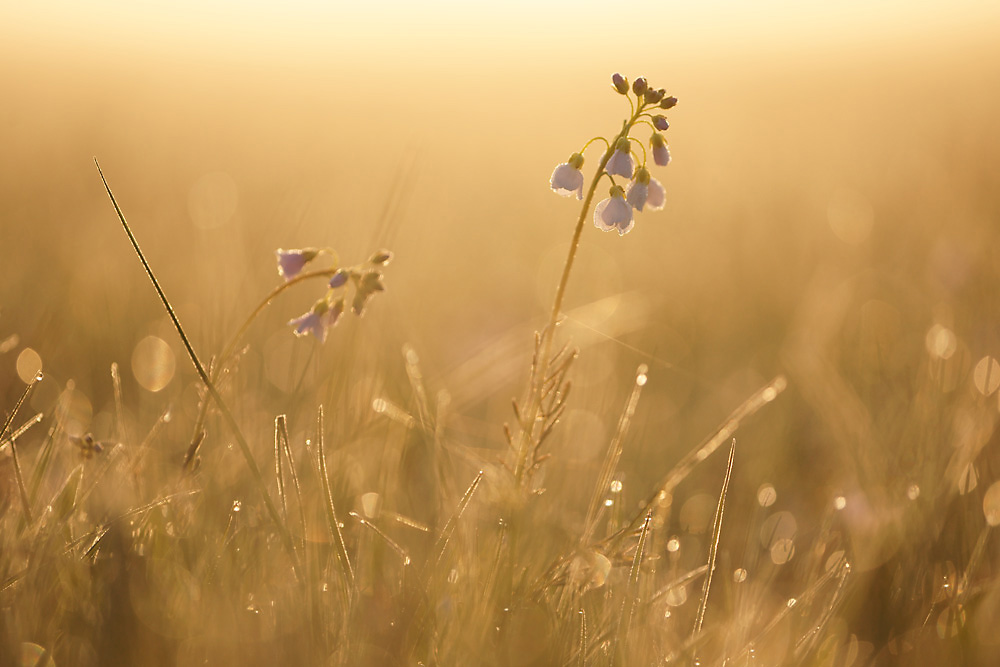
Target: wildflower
[(339, 278), (621, 163), (660, 123), (668, 102), (620, 83), (291, 262), (656, 196), (661, 155), (614, 213), (319, 318), (638, 190), (639, 86), (567, 177)]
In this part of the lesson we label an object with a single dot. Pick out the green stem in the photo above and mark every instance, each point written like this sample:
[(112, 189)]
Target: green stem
[(530, 416)]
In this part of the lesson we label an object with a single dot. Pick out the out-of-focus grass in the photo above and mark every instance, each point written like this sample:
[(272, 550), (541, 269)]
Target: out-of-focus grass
[(831, 219)]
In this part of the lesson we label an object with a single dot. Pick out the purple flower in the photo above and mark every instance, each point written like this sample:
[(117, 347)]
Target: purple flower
[(638, 190), (614, 213), (319, 318), (660, 123), (339, 279), (656, 196), (620, 163), (661, 155), (620, 83), (567, 178), (291, 262)]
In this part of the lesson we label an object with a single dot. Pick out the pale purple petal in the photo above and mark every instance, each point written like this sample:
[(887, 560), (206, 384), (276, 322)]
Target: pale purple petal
[(567, 180), (637, 194), (661, 155), (620, 164), (613, 214), (291, 262), (599, 216), (311, 323), (339, 279), (657, 196)]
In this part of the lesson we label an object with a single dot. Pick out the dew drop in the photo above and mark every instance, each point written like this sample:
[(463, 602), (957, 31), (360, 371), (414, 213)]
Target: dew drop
[(616, 486), (379, 405), (986, 375), (840, 502), (739, 575), (769, 394), (640, 379), (940, 342), (991, 504), (153, 363), (673, 544), (913, 492), (29, 365), (791, 602), (766, 495), (237, 505), (609, 502)]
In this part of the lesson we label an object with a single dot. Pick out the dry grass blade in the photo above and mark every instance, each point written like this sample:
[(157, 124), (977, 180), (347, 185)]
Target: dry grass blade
[(258, 478), (582, 644), (683, 468), (631, 593), (613, 455), (283, 429), (679, 581), (22, 429), (713, 548), (116, 381), (279, 477), (392, 544), (449, 528), (331, 511), (842, 571), (22, 492)]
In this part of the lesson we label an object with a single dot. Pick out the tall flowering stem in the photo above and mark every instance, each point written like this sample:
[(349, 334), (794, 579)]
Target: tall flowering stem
[(532, 421)]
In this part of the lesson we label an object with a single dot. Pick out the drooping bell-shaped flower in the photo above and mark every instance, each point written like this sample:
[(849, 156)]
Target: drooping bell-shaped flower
[(621, 163), (656, 196), (613, 213), (638, 190), (291, 262), (567, 179), (319, 318), (661, 155)]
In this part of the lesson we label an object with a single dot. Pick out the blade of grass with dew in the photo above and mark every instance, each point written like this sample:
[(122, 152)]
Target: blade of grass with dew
[(631, 594), (683, 468), (582, 643), (331, 511), (227, 415), (713, 548), (25, 504), (287, 446), (278, 476), (22, 429), (613, 455), (805, 644)]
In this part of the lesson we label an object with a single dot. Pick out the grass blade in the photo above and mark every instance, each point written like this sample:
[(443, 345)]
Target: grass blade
[(331, 511), (713, 548)]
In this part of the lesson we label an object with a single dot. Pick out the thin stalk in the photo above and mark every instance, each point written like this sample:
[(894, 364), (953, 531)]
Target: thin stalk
[(713, 548), (548, 333), (255, 473), (25, 505), (230, 348)]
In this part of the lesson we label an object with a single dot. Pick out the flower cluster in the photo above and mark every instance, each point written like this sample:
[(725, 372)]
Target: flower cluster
[(364, 280), (643, 191)]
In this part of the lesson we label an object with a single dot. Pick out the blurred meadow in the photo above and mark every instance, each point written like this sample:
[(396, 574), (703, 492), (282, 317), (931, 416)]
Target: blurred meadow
[(831, 236)]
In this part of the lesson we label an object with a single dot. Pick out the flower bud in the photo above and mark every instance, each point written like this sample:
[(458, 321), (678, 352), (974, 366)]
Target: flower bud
[(639, 86), (660, 123), (575, 160), (381, 258), (339, 279), (620, 83), (668, 102)]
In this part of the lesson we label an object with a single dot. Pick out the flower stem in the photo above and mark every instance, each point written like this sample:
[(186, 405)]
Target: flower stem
[(530, 416), (215, 369)]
